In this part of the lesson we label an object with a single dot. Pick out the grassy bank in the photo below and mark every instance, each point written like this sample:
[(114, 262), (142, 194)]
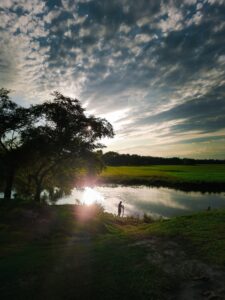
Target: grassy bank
[(205, 232), (77, 252), (196, 177)]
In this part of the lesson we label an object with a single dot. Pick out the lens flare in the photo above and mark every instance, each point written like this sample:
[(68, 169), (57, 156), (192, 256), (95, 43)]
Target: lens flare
[(91, 196)]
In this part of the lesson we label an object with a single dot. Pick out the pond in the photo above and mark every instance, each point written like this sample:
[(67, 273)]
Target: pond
[(157, 202)]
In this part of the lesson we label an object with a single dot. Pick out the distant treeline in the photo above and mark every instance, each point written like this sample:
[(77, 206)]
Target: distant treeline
[(115, 159)]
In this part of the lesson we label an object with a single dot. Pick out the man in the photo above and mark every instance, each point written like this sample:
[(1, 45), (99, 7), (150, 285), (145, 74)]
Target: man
[(120, 208)]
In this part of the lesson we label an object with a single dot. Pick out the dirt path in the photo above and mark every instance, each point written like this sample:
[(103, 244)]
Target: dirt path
[(199, 281)]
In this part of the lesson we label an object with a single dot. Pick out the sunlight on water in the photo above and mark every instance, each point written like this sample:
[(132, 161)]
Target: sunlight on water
[(91, 196), (141, 199)]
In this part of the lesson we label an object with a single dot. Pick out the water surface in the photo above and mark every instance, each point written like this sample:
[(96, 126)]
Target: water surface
[(138, 200)]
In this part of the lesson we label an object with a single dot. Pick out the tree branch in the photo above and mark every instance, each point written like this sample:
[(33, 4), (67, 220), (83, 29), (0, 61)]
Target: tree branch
[(3, 146)]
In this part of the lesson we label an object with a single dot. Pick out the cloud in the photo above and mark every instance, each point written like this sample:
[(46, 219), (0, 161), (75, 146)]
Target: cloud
[(220, 2), (143, 38), (161, 63), (172, 19)]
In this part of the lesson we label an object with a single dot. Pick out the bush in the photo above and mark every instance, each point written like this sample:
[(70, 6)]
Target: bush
[(148, 218)]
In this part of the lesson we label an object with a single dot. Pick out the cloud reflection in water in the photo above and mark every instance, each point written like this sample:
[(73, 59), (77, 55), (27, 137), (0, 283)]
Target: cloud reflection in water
[(141, 199)]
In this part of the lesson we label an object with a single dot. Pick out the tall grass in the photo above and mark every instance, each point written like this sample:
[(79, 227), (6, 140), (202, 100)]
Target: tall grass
[(189, 177)]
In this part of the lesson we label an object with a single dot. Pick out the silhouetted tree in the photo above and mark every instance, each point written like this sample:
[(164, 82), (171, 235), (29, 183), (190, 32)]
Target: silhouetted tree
[(115, 159), (14, 121), (47, 143), (64, 137)]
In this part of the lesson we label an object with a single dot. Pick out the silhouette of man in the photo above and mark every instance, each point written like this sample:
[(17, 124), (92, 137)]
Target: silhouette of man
[(120, 208)]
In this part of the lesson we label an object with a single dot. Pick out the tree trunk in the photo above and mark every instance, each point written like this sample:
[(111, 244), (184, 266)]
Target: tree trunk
[(9, 183), (37, 197), (39, 179)]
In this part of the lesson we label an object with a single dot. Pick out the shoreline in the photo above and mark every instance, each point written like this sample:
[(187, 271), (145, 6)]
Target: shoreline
[(203, 187)]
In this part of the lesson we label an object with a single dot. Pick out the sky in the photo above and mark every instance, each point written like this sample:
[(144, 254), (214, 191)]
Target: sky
[(155, 69)]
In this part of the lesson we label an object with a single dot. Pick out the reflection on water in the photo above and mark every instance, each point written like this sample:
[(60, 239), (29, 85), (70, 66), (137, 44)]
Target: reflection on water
[(142, 199)]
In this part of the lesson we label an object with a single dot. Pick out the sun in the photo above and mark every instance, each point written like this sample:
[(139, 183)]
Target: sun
[(91, 196)]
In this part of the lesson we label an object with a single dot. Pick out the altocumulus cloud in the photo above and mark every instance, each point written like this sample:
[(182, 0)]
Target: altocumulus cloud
[(155, 69)]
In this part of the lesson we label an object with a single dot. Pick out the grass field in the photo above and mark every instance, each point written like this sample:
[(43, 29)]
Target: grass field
[(77, 252), (196, 176)]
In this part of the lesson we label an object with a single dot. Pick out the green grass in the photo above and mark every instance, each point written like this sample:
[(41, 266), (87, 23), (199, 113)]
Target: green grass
[(196, 175), (58, 253), (72, 252), (205, 231)]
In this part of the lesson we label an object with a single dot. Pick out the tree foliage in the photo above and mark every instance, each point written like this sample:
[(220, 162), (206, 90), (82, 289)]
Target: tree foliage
[(51, 142), (115, 159), (14, 122)]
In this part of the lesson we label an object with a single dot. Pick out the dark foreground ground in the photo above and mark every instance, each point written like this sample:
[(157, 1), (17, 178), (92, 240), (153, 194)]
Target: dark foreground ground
[(77, 252)]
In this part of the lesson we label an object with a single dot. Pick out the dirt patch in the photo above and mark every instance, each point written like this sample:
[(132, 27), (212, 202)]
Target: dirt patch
[(195, 279)]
